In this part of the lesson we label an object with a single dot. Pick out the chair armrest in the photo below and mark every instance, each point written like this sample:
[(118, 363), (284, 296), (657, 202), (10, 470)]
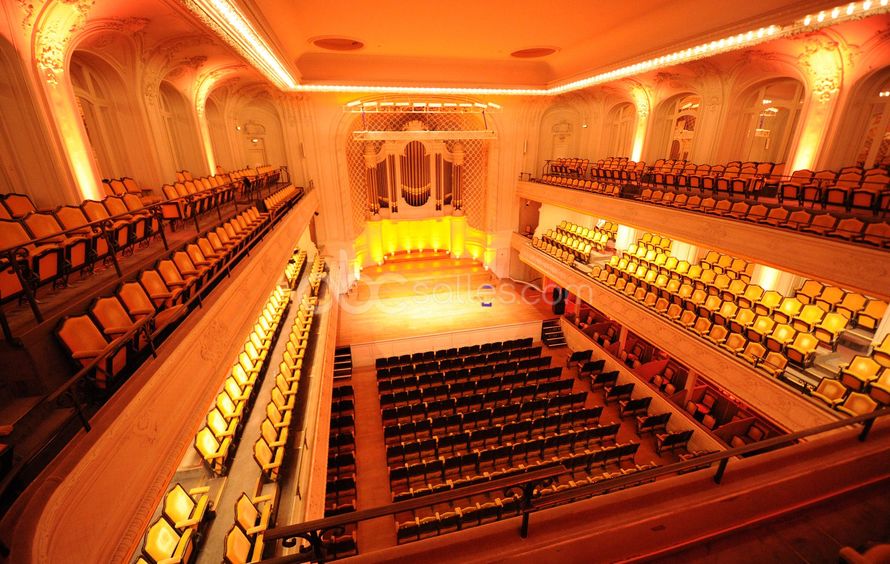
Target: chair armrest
[(86, 354)]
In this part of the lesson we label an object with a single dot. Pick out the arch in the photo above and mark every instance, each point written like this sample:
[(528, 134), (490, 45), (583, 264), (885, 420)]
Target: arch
[(261, 135), (559, 133), (101, 96), (179, 127), (219, 136), (26, 156), (864, 137), (618, 129), (674, 126), (766, 117)]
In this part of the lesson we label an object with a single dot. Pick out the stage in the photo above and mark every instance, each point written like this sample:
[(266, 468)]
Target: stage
[(430, 301)]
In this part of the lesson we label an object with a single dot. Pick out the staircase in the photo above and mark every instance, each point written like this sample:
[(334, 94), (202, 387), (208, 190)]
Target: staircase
[(551, 334), (342, 362)]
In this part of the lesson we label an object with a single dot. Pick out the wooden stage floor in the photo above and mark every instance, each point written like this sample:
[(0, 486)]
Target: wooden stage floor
[(432, 293)]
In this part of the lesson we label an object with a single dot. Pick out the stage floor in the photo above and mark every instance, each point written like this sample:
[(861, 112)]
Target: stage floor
[(432, 293)]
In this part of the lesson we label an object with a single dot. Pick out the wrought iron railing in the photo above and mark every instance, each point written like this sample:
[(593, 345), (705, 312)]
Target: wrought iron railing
[(310, 535)]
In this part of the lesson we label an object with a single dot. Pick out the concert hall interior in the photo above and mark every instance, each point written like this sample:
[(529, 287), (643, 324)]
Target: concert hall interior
[(490, 281)]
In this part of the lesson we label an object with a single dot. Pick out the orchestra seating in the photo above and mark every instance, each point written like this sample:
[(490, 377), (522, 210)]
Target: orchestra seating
[(463, 416)]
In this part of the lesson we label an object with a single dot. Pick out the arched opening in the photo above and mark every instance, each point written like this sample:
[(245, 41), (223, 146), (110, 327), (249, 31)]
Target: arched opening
[(262, 138), (675, 126), (872, 138), (99, 93), (179, 128), (559, 134), (619, 129), (769, 112), (219, 138)]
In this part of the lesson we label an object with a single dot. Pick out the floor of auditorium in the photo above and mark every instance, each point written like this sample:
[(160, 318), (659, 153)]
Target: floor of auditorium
[(430, 293)]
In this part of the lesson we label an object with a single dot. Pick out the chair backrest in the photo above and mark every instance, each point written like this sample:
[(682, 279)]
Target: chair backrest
[(80, 334), (238, 546), (161, 540), (71, 217), (42, 224), (18, 205), (110, 313), (178, 504), (94, 210), (12, 234), (135, 299), (860, 404)]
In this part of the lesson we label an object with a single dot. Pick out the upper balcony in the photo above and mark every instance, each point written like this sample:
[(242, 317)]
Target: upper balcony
[(844, 263)]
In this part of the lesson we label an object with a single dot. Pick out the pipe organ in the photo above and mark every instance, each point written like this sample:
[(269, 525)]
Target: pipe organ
[(414, 177)]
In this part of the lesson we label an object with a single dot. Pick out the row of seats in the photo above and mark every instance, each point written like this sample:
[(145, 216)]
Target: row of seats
[(122, 186), (542, 398), (50, 245), (218, 439), (850, 188), (735, 178), (558, 252), (460, 440), (524, 371), (861, 311), (580, 248), (473, 362), (831, 224), (475, 386), (185, 199), (340, 496), (433, 427), (294, 268), (861, 385), (451, 353), (473, 450), (120, 326), (706, 272), (825, 224), (177, 532), (244, 542), (270, 448)]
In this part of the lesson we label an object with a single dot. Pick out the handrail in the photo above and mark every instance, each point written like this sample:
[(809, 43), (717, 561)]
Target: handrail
[(857, 237), (312, 531), (721, 457)]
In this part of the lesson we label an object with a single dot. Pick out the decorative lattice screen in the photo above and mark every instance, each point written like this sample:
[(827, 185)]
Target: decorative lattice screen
[(475, 159)]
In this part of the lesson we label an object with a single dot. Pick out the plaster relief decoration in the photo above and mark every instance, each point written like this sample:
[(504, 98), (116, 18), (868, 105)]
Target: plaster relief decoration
[(59, 21), (822, 62)]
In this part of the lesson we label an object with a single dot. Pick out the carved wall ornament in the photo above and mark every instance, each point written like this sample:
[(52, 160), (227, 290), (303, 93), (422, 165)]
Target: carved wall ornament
[(822, 62), (51, 62)]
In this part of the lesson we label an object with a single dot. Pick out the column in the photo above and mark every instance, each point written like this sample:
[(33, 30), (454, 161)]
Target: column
[(457, 161), (823, 65), (371, 177), (641, 101), (57, 24)]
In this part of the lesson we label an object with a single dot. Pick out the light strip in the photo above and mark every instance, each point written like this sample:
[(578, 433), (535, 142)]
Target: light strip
[(237, 31), (227, 20)]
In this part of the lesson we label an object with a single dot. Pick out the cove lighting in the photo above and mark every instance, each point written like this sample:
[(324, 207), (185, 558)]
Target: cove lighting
[(228, 21), (224, 17)]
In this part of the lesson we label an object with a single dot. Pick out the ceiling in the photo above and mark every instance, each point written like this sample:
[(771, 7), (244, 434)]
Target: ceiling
[(467, 43)]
